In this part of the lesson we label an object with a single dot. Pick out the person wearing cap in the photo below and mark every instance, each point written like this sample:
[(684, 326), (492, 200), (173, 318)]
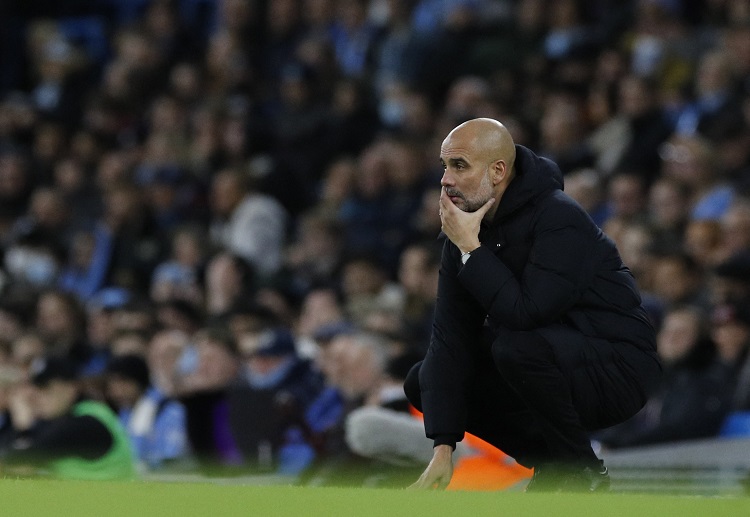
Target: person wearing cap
[(730, 279), (267, 404), (155, 424), (67, 436), (730, 330)]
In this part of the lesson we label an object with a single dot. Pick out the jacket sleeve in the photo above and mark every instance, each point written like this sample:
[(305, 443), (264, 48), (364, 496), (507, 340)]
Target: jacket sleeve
[(81, 436), (558, 271), (447, 365)]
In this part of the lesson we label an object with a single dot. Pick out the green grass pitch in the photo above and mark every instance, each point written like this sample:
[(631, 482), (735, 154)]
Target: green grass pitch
[(109, 499)]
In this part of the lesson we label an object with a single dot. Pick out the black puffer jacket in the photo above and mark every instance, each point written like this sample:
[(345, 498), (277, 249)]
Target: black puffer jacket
[(543, 261)]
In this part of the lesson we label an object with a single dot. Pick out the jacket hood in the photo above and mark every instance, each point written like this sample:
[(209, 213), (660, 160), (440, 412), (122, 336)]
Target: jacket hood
[(535, 175)]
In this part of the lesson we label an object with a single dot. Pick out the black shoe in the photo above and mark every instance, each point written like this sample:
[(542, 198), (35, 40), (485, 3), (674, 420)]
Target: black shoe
[(590, 479), (556, 478), (546, 478)]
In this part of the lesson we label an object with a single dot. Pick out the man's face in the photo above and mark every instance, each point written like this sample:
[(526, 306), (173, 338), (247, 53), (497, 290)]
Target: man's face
[(55, 399), (225, 194), (466, 178), (122, 391)]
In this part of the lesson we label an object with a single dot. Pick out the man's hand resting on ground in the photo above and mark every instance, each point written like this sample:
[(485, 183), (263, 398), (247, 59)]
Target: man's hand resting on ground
[(440, 470)]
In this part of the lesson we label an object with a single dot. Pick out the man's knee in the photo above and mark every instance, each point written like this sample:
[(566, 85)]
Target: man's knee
[(515, 352), (411, 386)]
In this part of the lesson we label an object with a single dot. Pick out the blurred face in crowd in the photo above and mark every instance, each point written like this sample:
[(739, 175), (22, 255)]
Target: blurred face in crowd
[(714, 73), (55, 398), (585, 187), (561, 125), (412, 267), (626, 195), (361, 277), (688, 160), (26, 349), (123, 392), (319, 308), (48, 207), (357, 369), (729, 332), (12, 176), (236, 14), (129, 343), (339, 181), (679, 332), (164, 351), (226, 193), (55, 316), (667, 204), (634, 242), (634, 96), (672, 280), (701, 240), (735, 228), (215, 362)]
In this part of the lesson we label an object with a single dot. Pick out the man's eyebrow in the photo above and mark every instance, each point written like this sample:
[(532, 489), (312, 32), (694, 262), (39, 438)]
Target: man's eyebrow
[(455, 161)]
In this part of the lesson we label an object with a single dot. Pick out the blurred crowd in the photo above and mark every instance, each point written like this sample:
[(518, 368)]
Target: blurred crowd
[(223, 213)]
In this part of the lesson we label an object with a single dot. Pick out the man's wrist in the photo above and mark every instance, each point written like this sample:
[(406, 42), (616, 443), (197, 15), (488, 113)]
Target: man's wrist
[(444, 439), (443, 449), (466, 254), (470, 248)]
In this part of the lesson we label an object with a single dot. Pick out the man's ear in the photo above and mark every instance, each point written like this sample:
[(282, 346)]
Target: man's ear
[(499, 171)]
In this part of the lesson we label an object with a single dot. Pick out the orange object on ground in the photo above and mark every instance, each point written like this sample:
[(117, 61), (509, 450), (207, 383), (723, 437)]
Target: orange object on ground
[(488, 468)]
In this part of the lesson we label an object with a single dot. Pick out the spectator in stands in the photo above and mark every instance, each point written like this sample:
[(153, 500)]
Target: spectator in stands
[(228, 279), (276, 383), (354, 37), (111, 140), (702, 241), (715, 106), (418, 274), (365, 284), (730, 279), (695, 392), (562, 130), (247, 223), (735, 228), (315, 253), (626, 198), (60, 321), (668, 210), (678, 280), (58, 432), (359, 372), (208, 368), (178, 276), (741, 330), (155, 424), (647, 127), (691, 161), (587, 188), (165, 352), (730, 330)]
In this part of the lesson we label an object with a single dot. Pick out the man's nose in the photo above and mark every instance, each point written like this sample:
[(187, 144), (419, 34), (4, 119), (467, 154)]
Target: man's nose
[(447, 179)]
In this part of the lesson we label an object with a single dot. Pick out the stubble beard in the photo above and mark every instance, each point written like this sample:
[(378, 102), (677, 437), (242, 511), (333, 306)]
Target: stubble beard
[(477, 201)]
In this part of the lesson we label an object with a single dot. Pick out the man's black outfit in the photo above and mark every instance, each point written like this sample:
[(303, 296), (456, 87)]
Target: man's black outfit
[(540, 337)]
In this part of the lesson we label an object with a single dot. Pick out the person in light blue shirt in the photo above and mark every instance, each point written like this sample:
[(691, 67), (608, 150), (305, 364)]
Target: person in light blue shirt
[(156, 424)]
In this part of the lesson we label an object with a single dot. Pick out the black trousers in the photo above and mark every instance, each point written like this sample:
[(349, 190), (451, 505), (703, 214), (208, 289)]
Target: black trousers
[(537, 394)]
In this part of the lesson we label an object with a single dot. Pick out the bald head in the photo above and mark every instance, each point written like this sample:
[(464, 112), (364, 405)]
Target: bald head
[(478, 158), (488, 139)]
